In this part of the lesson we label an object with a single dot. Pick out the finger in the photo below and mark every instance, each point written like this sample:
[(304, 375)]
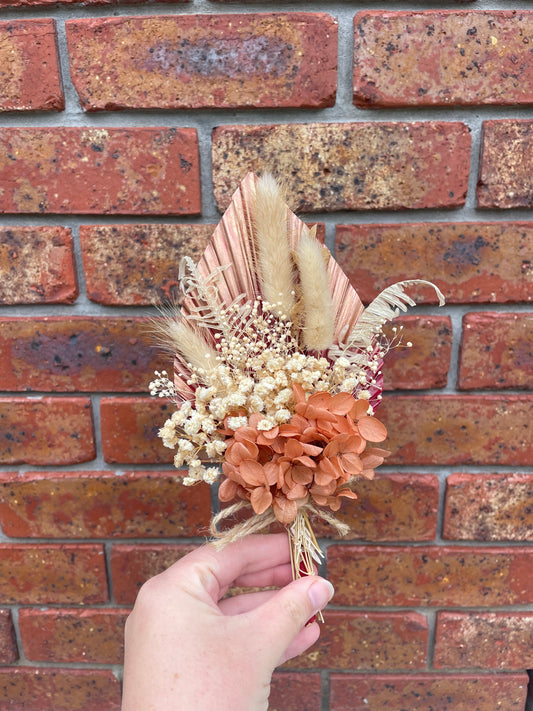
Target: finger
[(303, 640), (282, 617), (278, 576), (212, 571), (244, 603)]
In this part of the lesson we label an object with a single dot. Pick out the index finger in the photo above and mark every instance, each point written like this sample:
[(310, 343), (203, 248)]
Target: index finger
[(215, 571)]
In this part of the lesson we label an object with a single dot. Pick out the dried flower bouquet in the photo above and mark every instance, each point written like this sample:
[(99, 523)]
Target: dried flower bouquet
[(277, 372)]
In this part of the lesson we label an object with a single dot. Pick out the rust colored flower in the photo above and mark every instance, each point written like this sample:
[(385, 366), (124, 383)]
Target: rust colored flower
[(314, 457)]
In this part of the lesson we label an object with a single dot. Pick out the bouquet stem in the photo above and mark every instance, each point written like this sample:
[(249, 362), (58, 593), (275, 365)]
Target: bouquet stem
[(304, 549)]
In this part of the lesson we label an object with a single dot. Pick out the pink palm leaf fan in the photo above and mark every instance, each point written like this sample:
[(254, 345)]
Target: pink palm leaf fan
[(277, 372)]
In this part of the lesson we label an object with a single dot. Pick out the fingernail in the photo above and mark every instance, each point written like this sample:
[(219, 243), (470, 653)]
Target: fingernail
[(320, 593)]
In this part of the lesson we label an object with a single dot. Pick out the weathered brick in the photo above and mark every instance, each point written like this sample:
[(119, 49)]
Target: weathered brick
[(101, 505), (458, 429), (442, 58), (489, 507), (37, 265), (424, 365), (422, 692), (496, 351), (30, 78), (455, 576), (73, 635), (349, 166), (295, 692), (52, 574), (130, 429), (367, 640), (8, 643), (138, 264), (133, 565), (38, 689), (391, 507), (491, 640), (46, 430), (471, 262), (88, 354), (251, 1), (131, 171), (134, 265), (38, 3), (505, 179), (204, 61)]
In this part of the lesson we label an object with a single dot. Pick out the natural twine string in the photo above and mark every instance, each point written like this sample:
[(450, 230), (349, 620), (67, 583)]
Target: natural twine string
[(259, 522)]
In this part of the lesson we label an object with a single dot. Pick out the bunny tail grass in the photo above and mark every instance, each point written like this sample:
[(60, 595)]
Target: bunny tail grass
[(274, 259), (181, 339), (318, 311)]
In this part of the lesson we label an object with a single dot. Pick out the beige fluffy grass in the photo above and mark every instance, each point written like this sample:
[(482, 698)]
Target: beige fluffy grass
[(177, 337), (318, 312), (274, 259)]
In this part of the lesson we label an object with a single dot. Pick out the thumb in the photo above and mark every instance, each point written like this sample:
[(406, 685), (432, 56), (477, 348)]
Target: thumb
[(281, 621)]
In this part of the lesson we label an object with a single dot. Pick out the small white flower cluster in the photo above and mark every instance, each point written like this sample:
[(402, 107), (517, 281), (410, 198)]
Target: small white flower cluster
[(191, 430), (258, 362), (162, 386)]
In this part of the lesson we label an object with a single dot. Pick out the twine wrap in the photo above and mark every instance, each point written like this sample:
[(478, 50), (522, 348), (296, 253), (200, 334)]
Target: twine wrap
[(259, 522)]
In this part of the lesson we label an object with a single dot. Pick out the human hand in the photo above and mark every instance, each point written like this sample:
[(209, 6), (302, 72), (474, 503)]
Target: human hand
[(187, 649)]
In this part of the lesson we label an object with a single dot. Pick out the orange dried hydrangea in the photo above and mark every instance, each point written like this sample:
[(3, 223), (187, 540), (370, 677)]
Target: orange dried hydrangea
[(313, 457)]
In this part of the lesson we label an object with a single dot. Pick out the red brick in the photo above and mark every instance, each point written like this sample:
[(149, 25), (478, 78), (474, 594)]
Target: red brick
[(295, 692), (130, 429), (54, 3), (101, 505), (424, 365), (489, 507), (30, 66), (38, 689), (423, 692), (37, 265), (130, 171), (492, 640), (52, 574), (133, 565), (138, 264), (349, 166), (8, 644), (367, 641), (436, 575), (391, 507), (134, 265), (458, 429), (58, 353), (442, 58), (505, 178), (46, 430), (73, 635), (204, 61), (496, 351), (471, 262)]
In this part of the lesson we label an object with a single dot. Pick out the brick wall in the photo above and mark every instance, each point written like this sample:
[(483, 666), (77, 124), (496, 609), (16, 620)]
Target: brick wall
[(123, 131)]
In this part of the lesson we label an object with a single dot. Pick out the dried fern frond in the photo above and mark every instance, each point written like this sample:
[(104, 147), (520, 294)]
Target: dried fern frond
[(318, 312), (202, 303), (273, 251), (386, 306)]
